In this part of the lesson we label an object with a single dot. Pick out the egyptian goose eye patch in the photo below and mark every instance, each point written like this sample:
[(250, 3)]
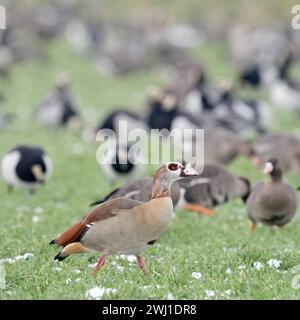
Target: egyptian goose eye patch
[(173, 166)]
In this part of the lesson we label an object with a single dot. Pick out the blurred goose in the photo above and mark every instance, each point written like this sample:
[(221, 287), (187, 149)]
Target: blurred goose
[(285, 147), (122, 162), (118, 117), (283, 90), (271, 202), (165, 113), (123, 225), (59, 108), (139, 189), (240, 115), (222, 146), (220, 187), (251, 75), (26, 167)]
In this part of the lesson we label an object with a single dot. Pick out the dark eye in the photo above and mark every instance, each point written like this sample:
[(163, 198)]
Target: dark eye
[(173, 166)]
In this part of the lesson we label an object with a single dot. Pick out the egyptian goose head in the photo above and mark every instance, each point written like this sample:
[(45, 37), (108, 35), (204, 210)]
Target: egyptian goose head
[(166, 175)]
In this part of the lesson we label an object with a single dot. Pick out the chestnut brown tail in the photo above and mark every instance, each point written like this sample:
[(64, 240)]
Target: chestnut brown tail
[(70, 235)]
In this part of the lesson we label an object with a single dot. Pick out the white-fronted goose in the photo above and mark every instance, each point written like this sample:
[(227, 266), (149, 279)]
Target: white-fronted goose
[(27, 167), (123, 225), (271, 202)]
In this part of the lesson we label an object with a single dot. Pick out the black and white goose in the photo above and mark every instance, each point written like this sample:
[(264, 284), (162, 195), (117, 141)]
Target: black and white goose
[(121, 162), (165, 113), (241, 115), (26, 167), (114, 121), (58, 108), (284, 91)]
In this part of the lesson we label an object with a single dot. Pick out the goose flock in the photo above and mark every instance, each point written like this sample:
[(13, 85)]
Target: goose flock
[(133, 216)]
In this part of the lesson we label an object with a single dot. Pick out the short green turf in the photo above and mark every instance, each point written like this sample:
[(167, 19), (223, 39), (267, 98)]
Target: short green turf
[(219, 248)]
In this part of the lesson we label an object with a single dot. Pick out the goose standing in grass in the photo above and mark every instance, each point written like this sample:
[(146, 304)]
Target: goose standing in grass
[(283, 89), (166, 114), (285, 147), (123, 225), (122, 162), (58, 108), (273, 202), (240, 115), (220, 187), (26, 167)]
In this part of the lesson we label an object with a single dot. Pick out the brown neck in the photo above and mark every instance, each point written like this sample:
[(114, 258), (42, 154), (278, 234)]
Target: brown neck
[(276, 175), (161, 187)]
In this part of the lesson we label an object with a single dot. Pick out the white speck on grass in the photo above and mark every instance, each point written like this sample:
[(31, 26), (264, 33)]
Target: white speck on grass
[(258, 265), (210, 293), (77, 271), (120, 268), (25, 256), (92, 265), (58, 269), (38, 210), (197, 275), (131, 258), (98, 292), (169, 296), (68, 281), (241, 267), (228, 292), (78, 280), (274, 263), (228, 271), (36, 219)]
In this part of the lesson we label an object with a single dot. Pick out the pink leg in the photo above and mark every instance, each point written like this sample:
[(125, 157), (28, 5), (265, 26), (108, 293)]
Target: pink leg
[(100, 264), (142, 264)]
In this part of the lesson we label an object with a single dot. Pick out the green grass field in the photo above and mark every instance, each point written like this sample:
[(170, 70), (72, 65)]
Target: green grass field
[(219, 248)]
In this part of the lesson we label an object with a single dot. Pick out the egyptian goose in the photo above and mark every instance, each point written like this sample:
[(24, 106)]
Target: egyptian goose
[(122, 162), (58, 108), (141, 190), (123, 225), (27, 167), (272, 202), (285, 147), (213, 187)]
